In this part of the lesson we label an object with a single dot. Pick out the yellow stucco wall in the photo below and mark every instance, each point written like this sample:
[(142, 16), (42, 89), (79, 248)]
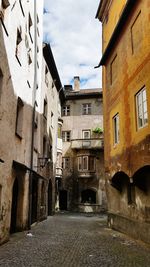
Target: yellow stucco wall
[(132, 75), (114, 11)]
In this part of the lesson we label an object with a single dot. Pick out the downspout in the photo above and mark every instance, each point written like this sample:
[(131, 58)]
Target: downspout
[(34, 104)]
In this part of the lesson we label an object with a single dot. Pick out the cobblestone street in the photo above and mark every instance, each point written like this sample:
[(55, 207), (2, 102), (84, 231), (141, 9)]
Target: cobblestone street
[(73, 240)]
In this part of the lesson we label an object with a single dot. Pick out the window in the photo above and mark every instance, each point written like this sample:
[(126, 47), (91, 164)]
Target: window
[(59, 134), (116, 128), (19, 118), (29, 58), (1, 81), (136, 33), (20, 1), (46, 74), (66, 136), (80, 163), (38, 32), (86, 134), (37, 18), (45, 109), (86, 163), (5, 3), (29, 27), (66, 163), (66, 111), (141, 108), (52, 119), (18, 47), (86, 109), (113, 70), (44, 146)]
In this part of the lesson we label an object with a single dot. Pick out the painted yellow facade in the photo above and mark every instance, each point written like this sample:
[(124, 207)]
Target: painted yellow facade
[(110, 18), (130, 77), (126, 68)]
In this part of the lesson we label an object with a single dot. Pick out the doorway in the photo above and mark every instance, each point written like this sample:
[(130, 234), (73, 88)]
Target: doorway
[(49, 204), (34, 200), (88, 196), (14, 206), (63, 199)]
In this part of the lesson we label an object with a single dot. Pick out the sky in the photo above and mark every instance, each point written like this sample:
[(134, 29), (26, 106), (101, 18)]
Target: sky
[(75, 38)]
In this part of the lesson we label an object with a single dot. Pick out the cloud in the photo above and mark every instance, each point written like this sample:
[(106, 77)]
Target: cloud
[(75, 37)]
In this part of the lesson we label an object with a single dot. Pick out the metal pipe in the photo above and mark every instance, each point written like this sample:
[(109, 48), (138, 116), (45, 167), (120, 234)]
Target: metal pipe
[(33, 115)]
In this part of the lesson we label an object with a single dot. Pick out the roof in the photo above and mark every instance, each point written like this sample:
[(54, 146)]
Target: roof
[(118, 29), (84, 94), (101, 8)]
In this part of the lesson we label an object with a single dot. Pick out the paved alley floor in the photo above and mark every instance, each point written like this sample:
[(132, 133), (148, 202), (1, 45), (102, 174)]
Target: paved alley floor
[(72, 240)]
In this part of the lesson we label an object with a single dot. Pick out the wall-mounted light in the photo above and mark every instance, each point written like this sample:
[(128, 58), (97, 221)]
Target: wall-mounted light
[(43, 161)]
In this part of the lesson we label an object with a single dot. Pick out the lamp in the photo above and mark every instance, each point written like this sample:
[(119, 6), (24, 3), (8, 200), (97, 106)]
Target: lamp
[(43, 161)]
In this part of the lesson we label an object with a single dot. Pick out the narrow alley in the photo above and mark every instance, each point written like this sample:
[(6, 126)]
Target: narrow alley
[(73, 240)]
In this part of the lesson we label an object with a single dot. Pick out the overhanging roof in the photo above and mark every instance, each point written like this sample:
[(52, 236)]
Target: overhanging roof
[(84, 94), (48, 55), (101, 8), (123, 18)]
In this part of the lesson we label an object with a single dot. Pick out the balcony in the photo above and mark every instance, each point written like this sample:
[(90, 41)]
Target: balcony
[(58, 172), (86, 174), (92, 143)]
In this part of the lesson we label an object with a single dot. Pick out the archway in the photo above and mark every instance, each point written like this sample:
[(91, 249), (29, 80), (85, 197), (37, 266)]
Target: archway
[(49, 198), (141, 178), (88, 196), (14, 206), (63, 199)]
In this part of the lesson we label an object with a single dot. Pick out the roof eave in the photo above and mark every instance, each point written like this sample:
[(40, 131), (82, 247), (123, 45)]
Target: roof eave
[(127, 9)]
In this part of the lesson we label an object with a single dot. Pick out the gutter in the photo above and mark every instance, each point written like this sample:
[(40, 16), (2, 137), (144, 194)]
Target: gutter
[(116, 33), (34, 104)]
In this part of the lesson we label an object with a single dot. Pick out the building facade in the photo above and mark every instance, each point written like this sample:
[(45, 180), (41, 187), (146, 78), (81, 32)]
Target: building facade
[(52, 97), (29, 104), (126, 83), (82, 185)]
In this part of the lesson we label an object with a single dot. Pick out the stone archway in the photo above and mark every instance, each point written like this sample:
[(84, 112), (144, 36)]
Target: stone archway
[(88, 196)]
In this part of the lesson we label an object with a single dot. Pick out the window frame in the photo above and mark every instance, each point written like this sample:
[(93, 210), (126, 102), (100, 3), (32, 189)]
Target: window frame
[(66, 163), (86, 109), (86, 166), (19, 118), (116, 135), (112, 78), (140, 93), (65, 137), (66, 110), (45, 108), (86, 131)]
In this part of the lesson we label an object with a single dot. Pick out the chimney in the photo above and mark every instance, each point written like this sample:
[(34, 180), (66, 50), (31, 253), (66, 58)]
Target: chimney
[(76, 83)]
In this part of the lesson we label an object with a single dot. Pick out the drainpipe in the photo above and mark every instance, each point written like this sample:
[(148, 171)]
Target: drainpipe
[(34, 104)]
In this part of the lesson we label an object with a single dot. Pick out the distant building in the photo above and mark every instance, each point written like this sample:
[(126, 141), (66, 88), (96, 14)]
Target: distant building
[(52, 97), (126, 88), (82, 185)]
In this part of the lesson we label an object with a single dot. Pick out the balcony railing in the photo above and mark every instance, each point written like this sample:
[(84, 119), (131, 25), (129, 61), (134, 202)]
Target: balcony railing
[(92, 143)]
